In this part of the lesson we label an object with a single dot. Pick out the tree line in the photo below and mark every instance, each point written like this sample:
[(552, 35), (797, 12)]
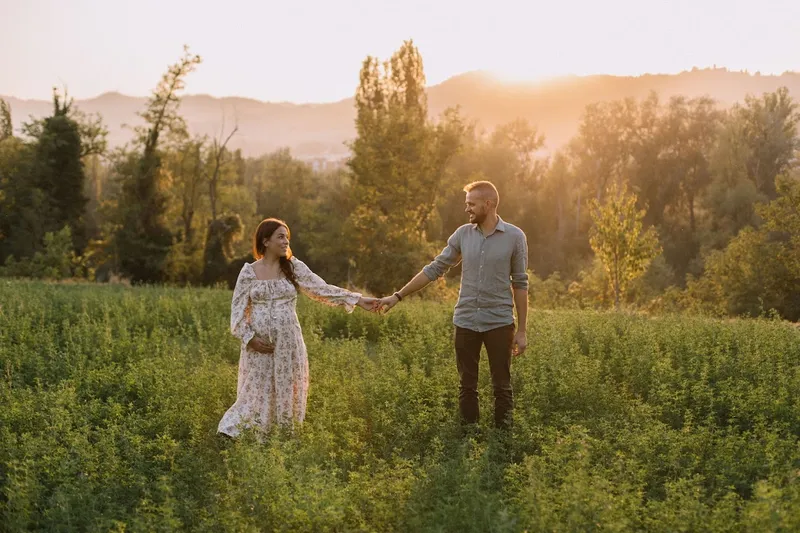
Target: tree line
[(663, 205)]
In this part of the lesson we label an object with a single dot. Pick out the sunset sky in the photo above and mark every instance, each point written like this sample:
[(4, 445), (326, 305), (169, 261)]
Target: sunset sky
[(311, 51)]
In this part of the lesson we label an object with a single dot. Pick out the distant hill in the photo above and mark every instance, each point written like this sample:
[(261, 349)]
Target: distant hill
[(320, 130)]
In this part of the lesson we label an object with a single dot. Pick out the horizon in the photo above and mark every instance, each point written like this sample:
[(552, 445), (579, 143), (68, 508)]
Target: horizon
[(493, 76)]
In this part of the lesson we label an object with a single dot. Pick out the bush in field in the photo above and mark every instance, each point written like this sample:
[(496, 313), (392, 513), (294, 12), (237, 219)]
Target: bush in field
[(111, 396), (759, 270), (57, 261)]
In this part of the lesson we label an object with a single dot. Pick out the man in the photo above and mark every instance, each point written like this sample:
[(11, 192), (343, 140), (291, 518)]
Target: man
[(495, 258)]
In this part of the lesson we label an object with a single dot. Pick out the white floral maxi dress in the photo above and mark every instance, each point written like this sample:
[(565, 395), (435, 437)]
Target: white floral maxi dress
[(273, 388)]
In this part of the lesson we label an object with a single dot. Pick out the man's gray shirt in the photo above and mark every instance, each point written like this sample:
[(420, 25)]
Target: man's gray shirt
[(492, 265)]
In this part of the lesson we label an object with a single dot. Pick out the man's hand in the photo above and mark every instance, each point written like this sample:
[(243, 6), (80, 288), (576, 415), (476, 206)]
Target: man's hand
[(260, 345), (386, 303), (520, 343), (368, 304)]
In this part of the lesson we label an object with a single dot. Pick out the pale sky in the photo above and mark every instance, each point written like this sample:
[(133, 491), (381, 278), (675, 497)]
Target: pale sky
[(311, 51)]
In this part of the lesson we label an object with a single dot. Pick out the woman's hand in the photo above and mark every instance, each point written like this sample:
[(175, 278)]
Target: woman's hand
[(368, 304), (384, 304), (260, 345)]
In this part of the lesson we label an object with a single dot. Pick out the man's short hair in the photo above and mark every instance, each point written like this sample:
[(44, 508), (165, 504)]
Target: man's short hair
[(487, 190)]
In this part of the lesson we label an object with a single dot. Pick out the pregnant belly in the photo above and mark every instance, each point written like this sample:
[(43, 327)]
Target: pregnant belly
[(272, 326)]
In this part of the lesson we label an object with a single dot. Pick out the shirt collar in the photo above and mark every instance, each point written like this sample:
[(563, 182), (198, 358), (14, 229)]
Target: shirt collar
[(501, 225)]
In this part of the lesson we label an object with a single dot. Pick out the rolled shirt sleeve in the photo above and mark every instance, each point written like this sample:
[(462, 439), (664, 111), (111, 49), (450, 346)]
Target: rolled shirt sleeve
[(449, 257), (519, 263)]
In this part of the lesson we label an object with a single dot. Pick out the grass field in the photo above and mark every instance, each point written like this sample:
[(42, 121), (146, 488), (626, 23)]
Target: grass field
[(110, 397)]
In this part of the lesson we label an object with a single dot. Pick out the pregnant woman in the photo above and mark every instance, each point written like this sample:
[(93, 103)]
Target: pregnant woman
[(273, 365)]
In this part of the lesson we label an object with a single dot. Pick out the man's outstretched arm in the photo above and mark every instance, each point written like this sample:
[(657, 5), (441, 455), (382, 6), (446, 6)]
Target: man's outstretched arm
[(450, 257), (418, 282)]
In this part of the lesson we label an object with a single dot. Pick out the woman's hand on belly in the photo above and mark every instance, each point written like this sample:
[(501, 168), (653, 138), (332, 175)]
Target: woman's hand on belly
[(260, 345)]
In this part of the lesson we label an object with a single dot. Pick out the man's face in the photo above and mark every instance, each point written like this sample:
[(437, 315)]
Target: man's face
[(477, 207)]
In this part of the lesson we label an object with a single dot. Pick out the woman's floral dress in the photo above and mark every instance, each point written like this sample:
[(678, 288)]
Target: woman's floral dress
[(272, 388)]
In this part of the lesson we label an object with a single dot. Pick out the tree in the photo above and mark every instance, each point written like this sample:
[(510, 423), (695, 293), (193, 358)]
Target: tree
[(688, 134), (602, 148), (184, 176), (756, 144), (759, 270), (185, 163), (91, 129), (701, 136), (648, 172), (601, 155), (517, 143), (22, 205), (143, 239), (58, 169), (93, 132), (281, 186), (63, 145), (731, 196), (782, 221), (770, 129), (217, 155), (556, 247), (218, 251), (324, 218), (6, 126), (398, 168), (619, 240)]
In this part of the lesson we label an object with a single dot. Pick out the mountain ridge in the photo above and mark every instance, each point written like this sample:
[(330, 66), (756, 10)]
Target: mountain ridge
[(320, 130)]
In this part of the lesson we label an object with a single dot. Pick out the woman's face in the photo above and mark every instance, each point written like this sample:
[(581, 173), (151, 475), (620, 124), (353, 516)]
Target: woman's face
[(278, 243)]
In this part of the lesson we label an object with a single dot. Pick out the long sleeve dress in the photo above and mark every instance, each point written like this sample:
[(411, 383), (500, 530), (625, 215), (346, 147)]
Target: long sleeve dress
[(273, 388)]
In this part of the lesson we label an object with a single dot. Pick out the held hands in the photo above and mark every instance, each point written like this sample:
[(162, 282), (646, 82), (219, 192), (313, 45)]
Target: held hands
[(377, 305), (367, 304), (385, 304)]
